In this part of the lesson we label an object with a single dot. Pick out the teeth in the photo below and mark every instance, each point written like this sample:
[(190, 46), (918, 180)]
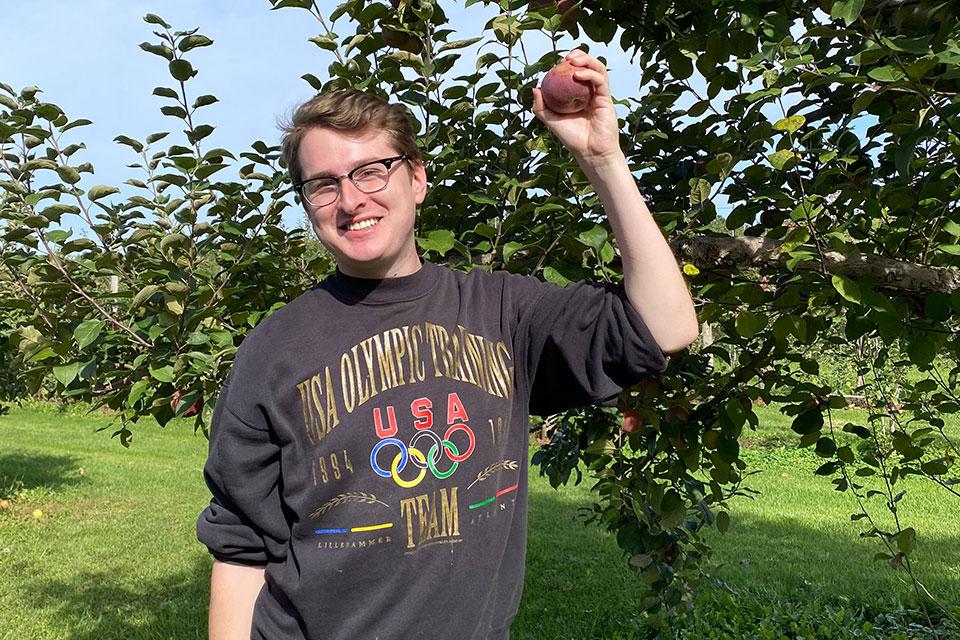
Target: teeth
[(366, 224)]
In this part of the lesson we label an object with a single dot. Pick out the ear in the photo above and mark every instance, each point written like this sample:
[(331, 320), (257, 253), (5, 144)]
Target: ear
[(419, 177)]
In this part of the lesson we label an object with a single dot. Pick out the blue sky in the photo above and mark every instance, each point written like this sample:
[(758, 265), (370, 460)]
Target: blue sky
[(85, 56)]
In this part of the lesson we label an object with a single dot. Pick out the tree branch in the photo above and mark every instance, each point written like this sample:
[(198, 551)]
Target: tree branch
[(745, 251)]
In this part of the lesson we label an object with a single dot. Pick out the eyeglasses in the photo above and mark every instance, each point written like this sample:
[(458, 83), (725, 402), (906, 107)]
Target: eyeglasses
[(369, 177)]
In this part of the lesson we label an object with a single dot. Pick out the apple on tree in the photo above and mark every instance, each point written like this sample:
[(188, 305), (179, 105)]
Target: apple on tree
[(191, 411), (569, 9)]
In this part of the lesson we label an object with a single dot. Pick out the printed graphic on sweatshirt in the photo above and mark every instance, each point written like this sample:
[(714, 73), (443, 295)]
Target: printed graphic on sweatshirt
[(425, 450), (354, 497), (401, 356), (423, 436)]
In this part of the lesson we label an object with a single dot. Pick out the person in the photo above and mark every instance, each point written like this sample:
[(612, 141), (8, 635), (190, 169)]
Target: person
[(369, 452)]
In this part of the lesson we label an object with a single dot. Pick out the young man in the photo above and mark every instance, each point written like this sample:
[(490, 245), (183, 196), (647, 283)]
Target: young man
[(368, 456)]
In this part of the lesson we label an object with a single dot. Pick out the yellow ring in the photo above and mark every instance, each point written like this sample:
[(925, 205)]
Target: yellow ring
[(416, 453)]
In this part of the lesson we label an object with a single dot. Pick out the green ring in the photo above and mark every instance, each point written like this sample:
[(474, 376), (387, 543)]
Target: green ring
[(447, 445)]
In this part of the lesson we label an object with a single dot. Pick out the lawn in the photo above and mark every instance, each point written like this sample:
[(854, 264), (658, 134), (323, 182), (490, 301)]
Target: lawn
[(113, 554)]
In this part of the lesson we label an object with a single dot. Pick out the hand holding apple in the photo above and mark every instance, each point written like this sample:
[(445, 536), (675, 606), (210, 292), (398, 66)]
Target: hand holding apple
[(574, 102)]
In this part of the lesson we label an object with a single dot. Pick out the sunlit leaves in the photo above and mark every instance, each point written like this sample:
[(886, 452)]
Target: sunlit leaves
[(101, 191), (847, 10)]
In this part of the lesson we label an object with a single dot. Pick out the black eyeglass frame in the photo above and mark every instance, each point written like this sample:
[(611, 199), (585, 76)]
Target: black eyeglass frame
[(387, 162)]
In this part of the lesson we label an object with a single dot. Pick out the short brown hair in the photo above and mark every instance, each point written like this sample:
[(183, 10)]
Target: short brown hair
[(347, 110)]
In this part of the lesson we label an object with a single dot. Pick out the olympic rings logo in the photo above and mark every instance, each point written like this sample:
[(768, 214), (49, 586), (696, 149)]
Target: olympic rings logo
[(410, 453)]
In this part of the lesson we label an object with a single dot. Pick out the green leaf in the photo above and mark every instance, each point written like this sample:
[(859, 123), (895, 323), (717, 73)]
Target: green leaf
[(57, 236), (594, 238), (327, 43), (101, 191), (481, 198), (87, 331), (152, 18), (509, 249), (553, 276), (173, 111), (952, 228), (67, 373), (194, 41), (181, 69), (459, 44), (907, 540), (791, 124), (130, 142), (748, 324), (439, 240), (808, 422), (166, 92), (154, 137), (720, 165), (80, 122), (847, 288), (922, 349), (204, 100), (723, 521), (780, 159), (699, 191), (847, 10), (886, 74), (41, 163), (158, 50), (143, 295), (136, 391), (68, 174), (163, 374)]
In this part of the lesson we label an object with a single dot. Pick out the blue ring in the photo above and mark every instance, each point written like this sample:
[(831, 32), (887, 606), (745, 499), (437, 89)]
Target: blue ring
[(376, 449)]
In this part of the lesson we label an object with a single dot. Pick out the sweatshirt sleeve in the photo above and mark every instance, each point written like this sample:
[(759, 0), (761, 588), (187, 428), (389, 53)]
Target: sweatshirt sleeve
[(244, 522), (586, 344)]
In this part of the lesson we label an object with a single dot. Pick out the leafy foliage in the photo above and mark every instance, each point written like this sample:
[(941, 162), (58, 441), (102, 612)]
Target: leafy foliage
[(829, 131)]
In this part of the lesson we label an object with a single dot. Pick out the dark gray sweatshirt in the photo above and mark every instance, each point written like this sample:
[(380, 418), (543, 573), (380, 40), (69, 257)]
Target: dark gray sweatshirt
[(370, 446)]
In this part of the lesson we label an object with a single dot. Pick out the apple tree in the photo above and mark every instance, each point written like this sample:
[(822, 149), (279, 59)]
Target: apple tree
[(801, 158)]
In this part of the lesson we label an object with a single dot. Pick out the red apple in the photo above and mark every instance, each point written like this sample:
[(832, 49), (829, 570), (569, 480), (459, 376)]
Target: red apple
[(193, 410), (569, 9), (632, 421), (562, 93)]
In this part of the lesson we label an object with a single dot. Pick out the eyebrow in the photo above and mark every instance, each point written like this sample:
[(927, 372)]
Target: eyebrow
[(330, 175)]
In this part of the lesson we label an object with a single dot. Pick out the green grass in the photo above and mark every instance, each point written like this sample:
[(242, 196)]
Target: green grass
[(114, 554)]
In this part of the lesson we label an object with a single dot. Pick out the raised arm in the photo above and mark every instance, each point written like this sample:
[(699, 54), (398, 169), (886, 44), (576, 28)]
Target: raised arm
[(652, 279)]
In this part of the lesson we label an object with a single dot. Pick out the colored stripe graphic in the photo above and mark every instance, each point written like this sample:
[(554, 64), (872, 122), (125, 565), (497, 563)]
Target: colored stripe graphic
[(484, 503), (372, 527)]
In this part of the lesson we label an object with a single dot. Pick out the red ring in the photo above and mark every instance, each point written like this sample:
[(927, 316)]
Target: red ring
[(473, 442)]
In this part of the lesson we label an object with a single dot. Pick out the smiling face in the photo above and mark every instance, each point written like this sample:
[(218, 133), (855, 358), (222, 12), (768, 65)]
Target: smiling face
[(369, 234)]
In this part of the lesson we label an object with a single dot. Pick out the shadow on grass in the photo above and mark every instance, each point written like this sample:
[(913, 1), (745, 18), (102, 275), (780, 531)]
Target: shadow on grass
[(578, 585), (95, 606), (29, 470)]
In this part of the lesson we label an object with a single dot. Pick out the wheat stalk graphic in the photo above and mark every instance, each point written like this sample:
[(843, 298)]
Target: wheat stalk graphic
[(492, 469), (344, 498)]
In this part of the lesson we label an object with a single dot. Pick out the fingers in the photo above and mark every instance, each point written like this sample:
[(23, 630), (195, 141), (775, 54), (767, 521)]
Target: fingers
[(580, 58), (538, 106), (592, 71)]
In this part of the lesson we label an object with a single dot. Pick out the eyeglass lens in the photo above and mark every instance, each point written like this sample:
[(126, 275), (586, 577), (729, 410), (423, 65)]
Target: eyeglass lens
[(368, 179)]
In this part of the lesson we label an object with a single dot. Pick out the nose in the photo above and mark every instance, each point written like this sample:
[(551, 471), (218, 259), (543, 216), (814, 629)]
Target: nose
[(350, 197)]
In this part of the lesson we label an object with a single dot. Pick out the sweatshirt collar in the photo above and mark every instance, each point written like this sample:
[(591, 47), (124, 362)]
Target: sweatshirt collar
[(353, 290)]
